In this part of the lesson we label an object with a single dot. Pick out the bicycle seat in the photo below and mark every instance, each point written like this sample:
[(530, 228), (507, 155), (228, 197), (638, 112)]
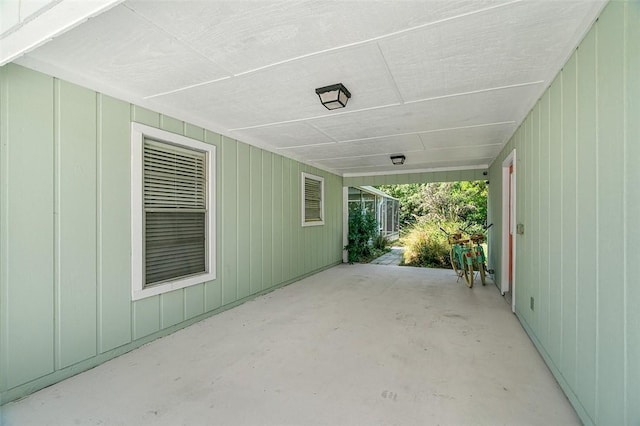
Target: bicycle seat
[(454, 237), (460, 241)]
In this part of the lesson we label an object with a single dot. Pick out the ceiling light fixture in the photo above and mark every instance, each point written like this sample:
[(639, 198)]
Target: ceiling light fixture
[(334, 96), (398, 159)]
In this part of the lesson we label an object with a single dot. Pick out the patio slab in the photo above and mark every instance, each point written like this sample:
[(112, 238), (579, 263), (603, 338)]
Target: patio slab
[(393, 257), (356, 344)]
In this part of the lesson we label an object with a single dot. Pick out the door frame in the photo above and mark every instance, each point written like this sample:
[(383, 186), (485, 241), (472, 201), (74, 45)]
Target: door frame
[(507, 186)]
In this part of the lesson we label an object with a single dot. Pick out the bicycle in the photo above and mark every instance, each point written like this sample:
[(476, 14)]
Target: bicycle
[(461, 256), (479, 258)]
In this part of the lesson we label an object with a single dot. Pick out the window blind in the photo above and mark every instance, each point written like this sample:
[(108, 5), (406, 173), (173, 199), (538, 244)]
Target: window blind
[(175, 198), (312, 200)]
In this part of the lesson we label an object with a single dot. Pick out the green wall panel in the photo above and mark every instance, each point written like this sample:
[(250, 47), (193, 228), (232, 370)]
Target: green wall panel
[(286, 220), (294, 206), (145, 116), (276, 227), (533, 231), (194, 301), (229, 209), (632, 211), (212, 295), (586, 220), (114, 265), (544, 303), (171, 308), (213, 289), (171, 124), (76, 223), (194, 132), (76, 228), (610, 110), (580, 205), (146, 317), (267, 219), (255, 195), (26, 227), (568, 234), (526, 241), (555, 220), (244, 220)]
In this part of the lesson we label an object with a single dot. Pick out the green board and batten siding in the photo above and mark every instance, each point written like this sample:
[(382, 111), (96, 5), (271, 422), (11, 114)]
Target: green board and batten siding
[(577, 194), (65, 230)]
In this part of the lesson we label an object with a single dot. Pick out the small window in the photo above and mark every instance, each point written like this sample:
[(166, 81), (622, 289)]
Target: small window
[(312, 200), (172, 211)]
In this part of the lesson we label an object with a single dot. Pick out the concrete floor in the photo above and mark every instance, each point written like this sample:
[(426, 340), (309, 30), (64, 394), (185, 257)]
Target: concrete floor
[(353, 345)]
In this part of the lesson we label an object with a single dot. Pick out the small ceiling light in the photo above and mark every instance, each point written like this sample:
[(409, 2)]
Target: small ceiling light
[(398, 160), (334, 96)]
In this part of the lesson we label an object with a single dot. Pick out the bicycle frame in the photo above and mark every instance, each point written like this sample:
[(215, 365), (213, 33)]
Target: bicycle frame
[(479, 257), (461, 256)]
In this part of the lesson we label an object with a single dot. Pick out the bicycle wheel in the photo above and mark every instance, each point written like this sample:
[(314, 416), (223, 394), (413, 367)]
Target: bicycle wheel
[(468, 275), (481, 269), (454, 262), (467, 272)]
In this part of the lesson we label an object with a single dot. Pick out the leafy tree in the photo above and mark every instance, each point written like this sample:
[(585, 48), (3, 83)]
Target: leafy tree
[(410, 197), (363, 229), (462, 202), (425, 208)]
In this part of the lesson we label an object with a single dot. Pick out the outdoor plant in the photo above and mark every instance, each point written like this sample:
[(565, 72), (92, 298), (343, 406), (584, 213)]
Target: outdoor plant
[(363, 230), (380, 242), (426, 245)]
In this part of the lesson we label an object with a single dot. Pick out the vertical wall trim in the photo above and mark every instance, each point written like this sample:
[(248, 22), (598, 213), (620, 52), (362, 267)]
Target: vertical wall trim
[(625, 118), (249, 225), (597, 230), (98, 231), (561, 172), (577, 221), (4, 227), (238, 245), (56, 223), (132, 315)]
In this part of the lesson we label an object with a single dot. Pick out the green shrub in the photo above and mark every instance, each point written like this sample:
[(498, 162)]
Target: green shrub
[(363, 230), (426, 245), (380, 242)]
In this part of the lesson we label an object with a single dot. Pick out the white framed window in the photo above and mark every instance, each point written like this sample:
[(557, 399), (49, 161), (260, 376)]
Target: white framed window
[(172, 211), (312, 200)]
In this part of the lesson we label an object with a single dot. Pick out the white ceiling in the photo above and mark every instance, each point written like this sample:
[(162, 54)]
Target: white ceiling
[(445, 82)]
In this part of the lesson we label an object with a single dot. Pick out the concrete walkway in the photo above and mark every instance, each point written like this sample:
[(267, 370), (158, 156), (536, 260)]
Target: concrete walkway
[(353, 345), (394, 257)]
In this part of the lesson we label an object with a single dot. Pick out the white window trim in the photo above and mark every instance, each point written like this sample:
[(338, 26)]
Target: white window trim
[(138, 132), (318, 178)]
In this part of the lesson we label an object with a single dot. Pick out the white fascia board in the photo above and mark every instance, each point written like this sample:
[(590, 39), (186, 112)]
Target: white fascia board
[(413, 171), (374, 191), (43, 27)]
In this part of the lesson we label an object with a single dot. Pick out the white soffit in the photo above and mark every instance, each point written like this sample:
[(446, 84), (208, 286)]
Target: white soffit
[(388, 145), (27, 24), (495, 48), (446, 82), (250, 35)]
